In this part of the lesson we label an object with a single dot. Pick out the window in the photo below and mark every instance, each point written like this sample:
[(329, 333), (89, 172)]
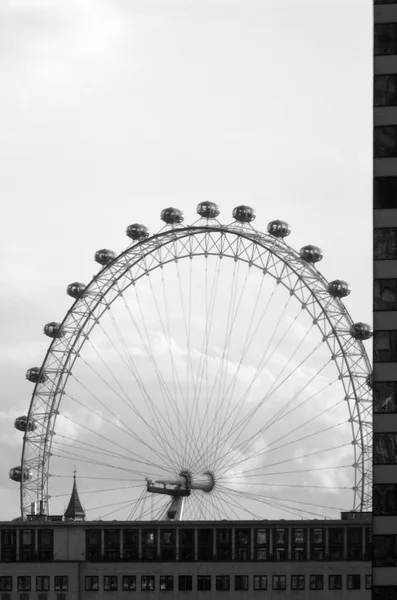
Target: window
[(92, 583), (5, 583), (261, 550), (280, 553), (167, 544), (368, 582), (242, 544), (385, 346), (385, 41), (280, 536), (110, 583), (385, 294), (205, 544), (112, 544), (241, 582), (61, 583), (384, 592), (129, 583), (93, 544), (385, 448), (222, 583), (385, 1), (385, 90), (147, 583), (224, 544), (354, 543), (186, 544), (24, 584), (334, 582), (316, 582), (204, 583), (336, 543), (166, 583), (353, 582), (385, 141), (260, 582), (368, 543), (185, 583), (45, 544), (297, 582), (42, 583), (385, 394), (317, 542), (385, 243), (8, 545), (130, 544), (385, 191), (279, 582), (384, 550), (27, 544)]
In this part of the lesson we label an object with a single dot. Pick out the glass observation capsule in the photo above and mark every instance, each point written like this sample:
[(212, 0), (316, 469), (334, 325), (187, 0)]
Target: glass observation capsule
[(311, 254), (35, 375), (280, 229), (22, 423), (244, 214), (53, 330), (16, 474), (171, 216), (361, 331), (370, 380), (339, 288), (104, 256), (208, 210), (136, 231), (75, 290)]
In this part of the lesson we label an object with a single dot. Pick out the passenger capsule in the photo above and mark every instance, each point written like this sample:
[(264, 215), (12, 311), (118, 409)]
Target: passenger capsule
[(137, 231), (53, 330), (244, 214), (208, 210), (36, 375), (171, 216), (339, 288), (75, 290), (311, 254), (280, 229), (104, 256), (370, 380), (361, 331), (23, 424), (16, 474)]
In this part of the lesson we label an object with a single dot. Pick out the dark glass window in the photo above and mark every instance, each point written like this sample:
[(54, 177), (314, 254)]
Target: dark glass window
[(384, 550), (385, 192), (261, 549), (129, 583), (204, 583), (317, 543), (149, 544), (205, 544), (24, 583), (280, 554), (112, 544), (385, 243), (384, 499), (167, 544), (368, 582), (385, 294), (385, 141), (260, 582), (353, 582), (186, 544), (385, 395), (385, 90), (354, 543), (242, 544), (384, 592), (385, 346), (299, 544), (5, 583), (185, 583), (368, 543), (279, 582), (45, 544), (91, 583), (110, 583), (93, 544), (42, 583), (297, 582), (316, 582), (336, 543), (130, 544), (334, 582), (385, 41), (280, 536), (166, 583), (241, 582), (385, 448), (8, 545), (224, 544), (61, 583), (147, 583), (385, 1), (222, 583), (27, 544)]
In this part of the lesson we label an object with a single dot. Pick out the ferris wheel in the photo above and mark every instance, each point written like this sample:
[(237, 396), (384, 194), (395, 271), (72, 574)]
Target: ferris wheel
[(208, 371)]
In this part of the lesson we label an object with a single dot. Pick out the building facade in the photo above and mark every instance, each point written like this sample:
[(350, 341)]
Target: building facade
[(58, 559), (385, 302)]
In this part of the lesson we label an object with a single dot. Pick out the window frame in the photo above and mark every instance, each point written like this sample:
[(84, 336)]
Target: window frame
[(24, 583), (148, 579), (241, 583), (185, 583), (222, 583), (202, 583), (44, 585), (168, 580), (316, 581), (279, 582), (6, 583), (59, 586), (298, 582), (91, 583), (351, 578), (260, 582)]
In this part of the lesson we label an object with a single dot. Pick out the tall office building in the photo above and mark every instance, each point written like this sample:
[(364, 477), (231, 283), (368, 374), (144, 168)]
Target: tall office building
[(385, 301)]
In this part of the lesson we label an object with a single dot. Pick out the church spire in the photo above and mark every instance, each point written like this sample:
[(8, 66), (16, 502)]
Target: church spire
[(75, 510)]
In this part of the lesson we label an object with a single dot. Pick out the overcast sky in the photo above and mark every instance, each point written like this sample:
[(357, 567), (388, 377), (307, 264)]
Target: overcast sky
[(114, 109)]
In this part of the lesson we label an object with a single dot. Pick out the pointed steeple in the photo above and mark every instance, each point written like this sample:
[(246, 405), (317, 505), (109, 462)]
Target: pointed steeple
[(74, 510)]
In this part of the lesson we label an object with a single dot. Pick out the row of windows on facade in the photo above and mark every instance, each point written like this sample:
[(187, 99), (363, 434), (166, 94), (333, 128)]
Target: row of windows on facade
[(185, 582), (278, 543)]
